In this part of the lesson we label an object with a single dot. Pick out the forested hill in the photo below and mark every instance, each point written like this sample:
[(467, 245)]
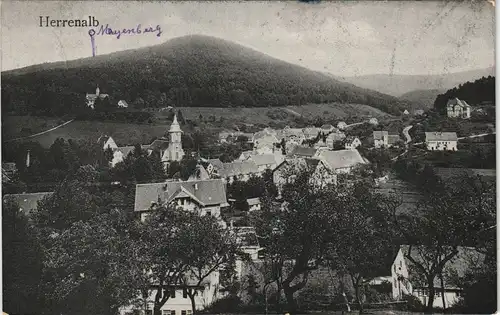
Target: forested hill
[(474, 93), (191, 71)]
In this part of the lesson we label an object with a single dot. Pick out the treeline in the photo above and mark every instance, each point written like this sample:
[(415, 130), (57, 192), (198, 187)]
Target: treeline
[(474, 93), (218, 74)]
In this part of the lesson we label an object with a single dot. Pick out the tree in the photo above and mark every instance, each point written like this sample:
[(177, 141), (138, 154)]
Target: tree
[(211, 249), (22, 262), (180, 117)]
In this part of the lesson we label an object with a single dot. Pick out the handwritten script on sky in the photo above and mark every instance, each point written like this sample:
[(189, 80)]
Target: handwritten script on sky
[(138, 30)]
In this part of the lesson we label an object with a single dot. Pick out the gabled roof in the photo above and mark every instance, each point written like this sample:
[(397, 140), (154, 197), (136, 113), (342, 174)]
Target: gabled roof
[(126, 150), (200, 173), (466, 259), (123, 103), (253, 201), (457, 102), (263, 159), (158, 144), (304, 151), (27, 202), (103, 139), (204, 192), (247, 154), (379, 135), (238, 168), (326, 127), (215, 162), (298, 164), (311, 131), (341, 158), (441, 136)]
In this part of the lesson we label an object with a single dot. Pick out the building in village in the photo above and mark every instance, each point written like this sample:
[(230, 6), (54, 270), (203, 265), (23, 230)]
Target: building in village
[(265, 161), (91, 98), (441, 141), (342, 161), (373, 121), (303, 152), (321, 174), (213, 166), (9, 170), (27, 202), (341, 125), (311, 132), (419, 112), (291, 135), (253, 204), (351, 142), (122, 104), (174, 151), (382, 139), (406, 112), (327, 128), (107, 142), (456, 108), (405, 279), (334, 137), (239, 170), (206, 197)]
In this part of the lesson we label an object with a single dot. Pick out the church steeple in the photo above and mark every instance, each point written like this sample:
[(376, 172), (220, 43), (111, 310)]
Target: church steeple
[(174, 151)]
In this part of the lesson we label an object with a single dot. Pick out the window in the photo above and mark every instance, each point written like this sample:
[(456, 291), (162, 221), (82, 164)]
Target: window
[(209, 213), (189, 312), (438, 293), (183, 312), (168, 312)]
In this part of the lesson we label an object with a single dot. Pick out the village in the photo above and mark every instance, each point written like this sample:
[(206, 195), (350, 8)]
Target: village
[(330, 155)]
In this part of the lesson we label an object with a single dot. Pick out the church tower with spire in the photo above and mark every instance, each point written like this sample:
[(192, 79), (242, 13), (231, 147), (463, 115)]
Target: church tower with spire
[(174, 152)]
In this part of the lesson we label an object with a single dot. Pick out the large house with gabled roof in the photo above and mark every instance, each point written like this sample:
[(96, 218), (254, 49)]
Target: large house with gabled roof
[(206, 197)]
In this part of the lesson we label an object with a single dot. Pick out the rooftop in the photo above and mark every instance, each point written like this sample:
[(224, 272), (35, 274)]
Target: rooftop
[(341, 158), (27, 202), (441, 136)]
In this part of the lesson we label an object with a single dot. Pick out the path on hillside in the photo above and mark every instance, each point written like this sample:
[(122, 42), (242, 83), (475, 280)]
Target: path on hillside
[(407, 135), (291, 111), (41, 133)]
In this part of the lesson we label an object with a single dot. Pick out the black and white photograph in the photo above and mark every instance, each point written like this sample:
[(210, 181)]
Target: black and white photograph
[(248, 157)]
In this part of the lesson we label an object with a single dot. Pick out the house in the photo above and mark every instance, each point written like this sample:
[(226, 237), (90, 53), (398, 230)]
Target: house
[(327, 128), (200, 173), (320, 173), (291, 134), (302, 151), (261, 140), (122, 104), (351, 142), (107, 142), (341, 161), (419, 112), (264, 161), (240, 170), (394, 271), (253, 204), (27, 202), (206, 197), (341, 125), (382, 139), (158, 145), (466, 259), (311, 132), (373, 121), (334, 137), (213, 166), (91, 98), (120, 154), (245, 155), (457, 108), (247, 240), (320, 144), (441, 141), (406, 112)]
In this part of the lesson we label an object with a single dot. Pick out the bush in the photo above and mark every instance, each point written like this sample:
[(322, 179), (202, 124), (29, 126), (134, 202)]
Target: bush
[(228, 304), (413, 304)]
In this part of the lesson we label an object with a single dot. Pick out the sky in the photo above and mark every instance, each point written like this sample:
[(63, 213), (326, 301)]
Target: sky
[(343, 38)]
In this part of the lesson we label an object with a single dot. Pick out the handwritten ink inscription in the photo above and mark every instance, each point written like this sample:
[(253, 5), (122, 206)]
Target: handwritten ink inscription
[(107, 30)]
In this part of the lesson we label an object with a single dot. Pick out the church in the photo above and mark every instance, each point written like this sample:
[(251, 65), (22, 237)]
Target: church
[(174, 152)]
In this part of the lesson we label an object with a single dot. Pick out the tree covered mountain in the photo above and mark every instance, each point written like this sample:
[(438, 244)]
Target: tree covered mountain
[(475, 93), (189, 71), (423, 99), (397, 85)]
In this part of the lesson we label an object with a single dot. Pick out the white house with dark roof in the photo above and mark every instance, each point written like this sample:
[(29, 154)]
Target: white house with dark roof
[(253, 204), (441, 141), (107, 142), (342, 161), (334, 137), (456, 108), (122, 104), (351, 142), (382, 139), (304, 152), (27, 202), (206, 197), (394, 271)]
